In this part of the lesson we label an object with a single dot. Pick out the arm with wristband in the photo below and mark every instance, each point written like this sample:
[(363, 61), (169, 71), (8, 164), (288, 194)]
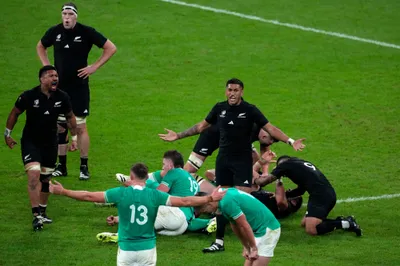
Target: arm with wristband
[(279, 135), (11, 121)]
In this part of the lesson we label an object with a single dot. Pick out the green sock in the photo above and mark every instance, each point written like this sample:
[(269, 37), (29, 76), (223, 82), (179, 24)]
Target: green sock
[(198, 224)]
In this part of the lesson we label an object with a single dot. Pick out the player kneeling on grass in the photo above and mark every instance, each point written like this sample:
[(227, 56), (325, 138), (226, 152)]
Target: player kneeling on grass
[(322, 195), (137, 209), (251, 221)]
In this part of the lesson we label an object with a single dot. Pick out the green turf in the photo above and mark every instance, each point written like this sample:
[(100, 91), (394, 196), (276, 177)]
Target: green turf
[(170, 69)]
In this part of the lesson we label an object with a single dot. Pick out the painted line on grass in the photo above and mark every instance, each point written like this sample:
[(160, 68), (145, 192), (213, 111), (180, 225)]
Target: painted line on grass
[(386, 196), (289, 25)]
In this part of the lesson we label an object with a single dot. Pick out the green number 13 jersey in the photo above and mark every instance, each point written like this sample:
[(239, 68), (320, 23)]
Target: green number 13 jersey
[(137, 211)]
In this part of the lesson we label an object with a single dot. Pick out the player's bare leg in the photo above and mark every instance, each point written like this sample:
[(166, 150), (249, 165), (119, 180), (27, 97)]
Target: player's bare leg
[(61, 169), (83, 144), (45, 176), (194, 162), (33, 173)]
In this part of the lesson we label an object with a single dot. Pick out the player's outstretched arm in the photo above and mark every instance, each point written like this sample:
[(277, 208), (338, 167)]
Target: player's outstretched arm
[(57, 189), (11, 121), (194, 130), (279, 135), (193, 201)]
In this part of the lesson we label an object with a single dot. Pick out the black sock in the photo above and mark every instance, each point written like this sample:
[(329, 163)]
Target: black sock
[(221, 223), (84, 161), (42, 208), (35, 211), (328, 225), (62, 159)]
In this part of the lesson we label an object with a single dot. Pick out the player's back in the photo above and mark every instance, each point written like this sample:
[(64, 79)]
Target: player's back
[(257, 214), (137, 210), (306, 174)]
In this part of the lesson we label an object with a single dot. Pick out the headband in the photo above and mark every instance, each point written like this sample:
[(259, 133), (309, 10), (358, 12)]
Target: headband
[(70, 8)]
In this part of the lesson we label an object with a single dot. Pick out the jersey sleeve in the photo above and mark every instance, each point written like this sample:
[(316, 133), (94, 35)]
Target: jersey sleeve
[(156, 176), (48, 38), (22, 102), (212, 116), (259, 118), (96, 37), (230, 207), (152, 184), (114, 195), (161, 198), (168, 180)]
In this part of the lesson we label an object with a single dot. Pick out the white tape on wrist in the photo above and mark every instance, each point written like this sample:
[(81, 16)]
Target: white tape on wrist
[(74, 138), (7, 132), (290, 141)]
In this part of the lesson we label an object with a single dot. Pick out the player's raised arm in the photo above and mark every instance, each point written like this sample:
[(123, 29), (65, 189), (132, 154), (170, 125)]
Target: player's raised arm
[(194, 130), (279, 135)]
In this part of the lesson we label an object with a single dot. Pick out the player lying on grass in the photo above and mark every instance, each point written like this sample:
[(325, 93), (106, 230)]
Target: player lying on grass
[(251, 221), (322, 195), (177, 182), (137, 209), (280, 203)]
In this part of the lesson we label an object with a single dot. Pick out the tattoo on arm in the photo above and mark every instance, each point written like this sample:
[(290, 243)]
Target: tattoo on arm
[(265, 180), (194, 130)]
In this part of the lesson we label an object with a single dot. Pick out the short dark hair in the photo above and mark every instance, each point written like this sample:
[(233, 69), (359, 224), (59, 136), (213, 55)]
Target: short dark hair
[(176, 158), (294, 208), (69, 4), (235, 81), (140, 170), (44, 69), (282, 159)]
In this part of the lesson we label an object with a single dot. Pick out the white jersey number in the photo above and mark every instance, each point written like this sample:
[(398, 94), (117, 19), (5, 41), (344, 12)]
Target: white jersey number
[(142, 212), (194, 187), (310, 166)]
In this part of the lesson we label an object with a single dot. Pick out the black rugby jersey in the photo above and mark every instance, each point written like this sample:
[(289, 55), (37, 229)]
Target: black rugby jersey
[(42, 113), (236, 125), (306, 175), (71, 50)]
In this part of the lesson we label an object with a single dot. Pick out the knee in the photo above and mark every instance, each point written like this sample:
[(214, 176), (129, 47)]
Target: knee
[(81, 129), (33, 182), (311, 231)]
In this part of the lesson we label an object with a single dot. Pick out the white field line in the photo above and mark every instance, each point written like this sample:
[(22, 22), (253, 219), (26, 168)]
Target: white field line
[(387, 196), (289, 25)]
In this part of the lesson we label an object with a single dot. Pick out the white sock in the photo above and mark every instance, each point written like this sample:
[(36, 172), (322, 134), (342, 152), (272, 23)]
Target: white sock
[(219, 241), (345, 224)]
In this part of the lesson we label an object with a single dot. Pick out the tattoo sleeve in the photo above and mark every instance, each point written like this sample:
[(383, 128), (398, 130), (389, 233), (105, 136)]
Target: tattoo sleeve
[(265, 180), (194, 130)]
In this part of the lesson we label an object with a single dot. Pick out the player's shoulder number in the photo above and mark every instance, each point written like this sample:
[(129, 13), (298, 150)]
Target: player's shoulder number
[(309, 165)]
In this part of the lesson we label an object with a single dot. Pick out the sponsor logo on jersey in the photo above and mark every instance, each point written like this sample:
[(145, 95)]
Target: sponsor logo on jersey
[(230, 123), (46, 113), (204, 150), (66, 46)]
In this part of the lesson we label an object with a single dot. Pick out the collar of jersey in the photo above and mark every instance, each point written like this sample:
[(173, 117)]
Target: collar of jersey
[(137, 187)]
